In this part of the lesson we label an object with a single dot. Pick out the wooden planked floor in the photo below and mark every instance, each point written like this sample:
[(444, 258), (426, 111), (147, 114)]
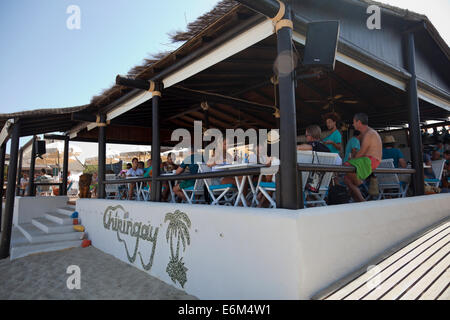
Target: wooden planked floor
[(418, 271)]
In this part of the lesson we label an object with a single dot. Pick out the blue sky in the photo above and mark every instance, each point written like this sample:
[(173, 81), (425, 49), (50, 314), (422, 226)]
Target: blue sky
[(43, 64)]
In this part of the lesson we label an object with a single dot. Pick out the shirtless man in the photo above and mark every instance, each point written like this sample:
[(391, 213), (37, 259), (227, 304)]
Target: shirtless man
[(370, 154)]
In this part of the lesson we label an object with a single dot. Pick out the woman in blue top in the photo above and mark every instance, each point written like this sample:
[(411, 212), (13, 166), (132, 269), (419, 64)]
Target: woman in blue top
[(334, 139)]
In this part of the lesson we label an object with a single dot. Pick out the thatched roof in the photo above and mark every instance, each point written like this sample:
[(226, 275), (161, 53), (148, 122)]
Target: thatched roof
[(146, 70), (203, 27), (42, 112)]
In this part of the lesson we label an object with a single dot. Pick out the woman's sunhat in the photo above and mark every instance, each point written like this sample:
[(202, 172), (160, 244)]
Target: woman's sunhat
[(389, 139), (273, 137)]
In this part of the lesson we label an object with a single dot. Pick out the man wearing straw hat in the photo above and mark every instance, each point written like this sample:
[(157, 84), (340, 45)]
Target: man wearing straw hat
[(390, 152)]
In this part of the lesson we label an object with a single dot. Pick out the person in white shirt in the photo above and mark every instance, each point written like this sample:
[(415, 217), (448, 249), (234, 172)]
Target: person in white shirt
[(23, 184), (134, 171)]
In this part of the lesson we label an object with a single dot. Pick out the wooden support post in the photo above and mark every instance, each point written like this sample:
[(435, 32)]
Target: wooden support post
[(101, 157), (65, 167), (31, 192), (290, 189), (414, 119), (2, 178), (156, 147), (19, 172), (10, 193)]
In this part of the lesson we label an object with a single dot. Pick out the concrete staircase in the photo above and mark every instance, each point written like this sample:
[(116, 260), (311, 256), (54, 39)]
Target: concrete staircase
[(52, 232)]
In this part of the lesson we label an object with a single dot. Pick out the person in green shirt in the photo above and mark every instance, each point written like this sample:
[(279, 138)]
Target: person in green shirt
[(334, 139), (190, 165)]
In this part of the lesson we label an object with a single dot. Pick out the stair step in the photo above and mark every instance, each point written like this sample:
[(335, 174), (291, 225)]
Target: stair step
[(49, 226), (22, 250), (17, 237), (36, 235), (66, 211), (59, 218)]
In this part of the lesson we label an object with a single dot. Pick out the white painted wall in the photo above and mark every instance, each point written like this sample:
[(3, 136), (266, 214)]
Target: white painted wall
[(255, 245), (247, 253), (27, 208)]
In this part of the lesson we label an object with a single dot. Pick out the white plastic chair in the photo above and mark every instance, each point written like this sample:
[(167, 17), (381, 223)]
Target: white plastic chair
[(265, 188), (219, 193), (111, 190), (196, 190), (438, 169), (325, 158), (389, 184)]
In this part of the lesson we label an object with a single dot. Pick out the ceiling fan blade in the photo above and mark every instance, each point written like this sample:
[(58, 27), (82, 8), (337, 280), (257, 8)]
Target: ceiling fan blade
[(350, 101), (339, 96), (326, 106)]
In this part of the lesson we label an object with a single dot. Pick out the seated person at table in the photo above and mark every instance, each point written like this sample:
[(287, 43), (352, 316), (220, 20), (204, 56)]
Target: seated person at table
[(447, 160), (428, 172), (435, 155), (148, 169), (134, 171), (390, 152), (353, 146), (190, 166), (313, 140), (141, 165), (269, 159), (123, 172), (170, 165), (148, 174), (227, 158), (367, 159), (94, 184), (334, 139), (43, 178)]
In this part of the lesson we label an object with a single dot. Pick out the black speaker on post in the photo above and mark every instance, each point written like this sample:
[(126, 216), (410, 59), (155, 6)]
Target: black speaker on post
[(321, 44), (40, 147)]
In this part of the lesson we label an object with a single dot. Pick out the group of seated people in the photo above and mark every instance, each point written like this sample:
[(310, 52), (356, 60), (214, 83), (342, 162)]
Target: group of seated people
[(364, 150), (144, 169)]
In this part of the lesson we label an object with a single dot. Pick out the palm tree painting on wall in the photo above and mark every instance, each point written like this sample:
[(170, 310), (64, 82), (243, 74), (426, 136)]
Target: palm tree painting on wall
[(177, 230)]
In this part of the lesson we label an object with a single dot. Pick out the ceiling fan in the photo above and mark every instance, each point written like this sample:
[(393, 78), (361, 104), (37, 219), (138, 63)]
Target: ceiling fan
[(332, 101), (240, 122)]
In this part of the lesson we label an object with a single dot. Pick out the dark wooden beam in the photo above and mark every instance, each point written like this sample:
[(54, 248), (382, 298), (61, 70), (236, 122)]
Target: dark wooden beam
[(10, 193), (83, 116)]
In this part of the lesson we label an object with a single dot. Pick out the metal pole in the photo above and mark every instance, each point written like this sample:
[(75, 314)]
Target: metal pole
[(2, 178), (101, 157), (31, 190), (290, 190), (414, 119), (10, 193), (19, 172), (156, 148), (65, 167)]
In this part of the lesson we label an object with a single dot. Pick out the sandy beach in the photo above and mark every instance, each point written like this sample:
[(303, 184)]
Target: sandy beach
[(43, 276)]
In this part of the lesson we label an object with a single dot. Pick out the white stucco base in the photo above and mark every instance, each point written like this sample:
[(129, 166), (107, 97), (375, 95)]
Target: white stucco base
[(27, 208), (246, 253)]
